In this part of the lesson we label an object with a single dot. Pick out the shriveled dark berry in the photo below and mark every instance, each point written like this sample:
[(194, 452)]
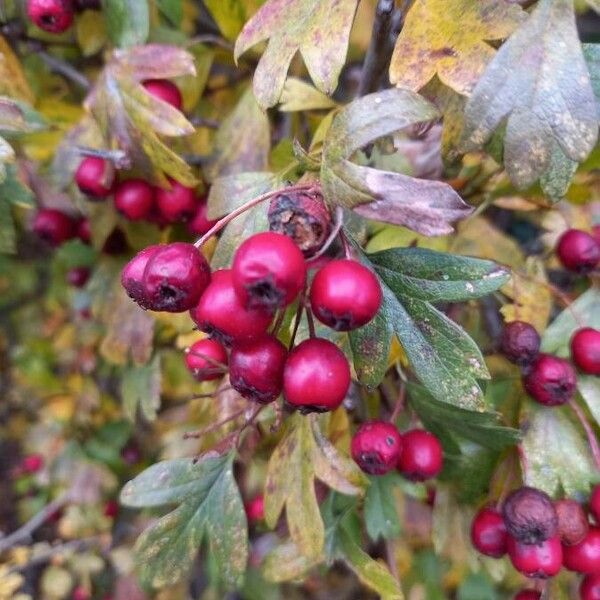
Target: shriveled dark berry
[(520, 342), (572, 521), (530, 516)]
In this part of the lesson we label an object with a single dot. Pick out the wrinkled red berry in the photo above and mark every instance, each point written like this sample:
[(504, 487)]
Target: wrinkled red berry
[(78, 276), (345, 295), (585, 350), (83, 231), (376, 447), (585, 556), (590, 587), (132, 275), (134, 199), (206, 359), (32, 463), (179, 203), (422, 455), (520, 342), (199, 224), (164, 90), (256, 368), (529, 515), (255, 509), (595, 503), (95, 177), (221, 314), (268, 271), (316, 377), (528, 595), (175, 277), (488, 533), (578, 251), (572, 521), (53, 226), (53, 16), (551, 380), (536, 560)]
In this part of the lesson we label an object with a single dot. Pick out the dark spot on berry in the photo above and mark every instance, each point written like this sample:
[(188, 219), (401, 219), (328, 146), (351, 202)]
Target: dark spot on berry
[(263, 293)]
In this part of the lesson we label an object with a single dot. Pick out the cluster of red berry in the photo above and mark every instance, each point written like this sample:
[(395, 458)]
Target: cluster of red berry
[(541, 536), (236, 306)]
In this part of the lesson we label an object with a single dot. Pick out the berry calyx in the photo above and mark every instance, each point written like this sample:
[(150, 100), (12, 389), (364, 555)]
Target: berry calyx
[(255, 509), (585, 556), (78, 276), (268, 271), (376, 447), (221, 314), (345, 295), (536, 560), (551, 380), (53, 226), (585, 350), (134, 199), (179, 203), (164, 90), (528, 595), (53, 16), (595, 503), (256, 368), (589, 588), (316, 377), (132, 275), (199, 224), (520, 342), (578, 251), (530, 516), (206, 359), (422, 455), (32, 463), (572, 521), (302, 217), (95, 177), (175, 277), (488, 533)]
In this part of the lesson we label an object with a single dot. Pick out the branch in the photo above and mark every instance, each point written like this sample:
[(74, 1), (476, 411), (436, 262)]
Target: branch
[(63, 68)]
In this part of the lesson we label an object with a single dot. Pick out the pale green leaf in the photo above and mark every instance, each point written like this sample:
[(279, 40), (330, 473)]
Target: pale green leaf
[(127, 21), (298, 95), (140, 388), (589, 388)]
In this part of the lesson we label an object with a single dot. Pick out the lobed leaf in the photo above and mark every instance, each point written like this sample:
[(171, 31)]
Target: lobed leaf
[(140, 387), (380, 510)]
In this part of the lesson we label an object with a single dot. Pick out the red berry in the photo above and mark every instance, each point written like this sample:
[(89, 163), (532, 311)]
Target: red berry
[(53, 226), (255, 509), (175, 277), (578, 251), (134, 199), (206, 359), (95, 177), (520, 342), (376, 447), (53, 16), (422, 456), (179, 203), (84, 232), (256, 368), (131, 454), (572, 521), (536, 560), (316, 377), (200, 223), (32, 463), (132, 275), (221, 314), (488, 533), (80, 593), (551, 380), (585, 556), (345, 295), (111, 509), (585, 350), (78, 276), (268, 271), (164, 90), (595, 503), (528, 595), (590, 587)]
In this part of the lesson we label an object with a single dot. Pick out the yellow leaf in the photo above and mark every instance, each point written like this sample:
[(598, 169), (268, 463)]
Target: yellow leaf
[(12, 78), (90, 30), (448, 37)]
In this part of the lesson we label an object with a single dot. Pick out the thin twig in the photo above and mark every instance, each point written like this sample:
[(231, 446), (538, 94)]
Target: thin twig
[(297, 321), (119, 158), (589, 432), (311, 321), (399, 406), (213, 427), (24, 533), (63, 68)]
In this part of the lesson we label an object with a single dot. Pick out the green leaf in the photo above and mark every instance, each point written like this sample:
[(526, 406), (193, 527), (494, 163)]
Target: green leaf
[(140, 387), (317, 28), (583, 312), (14, 191), (381, 512), (302, 456), (172, 9), (483, 428), (230, 16), (442, 355), (209, 506), (127, 21), (544, 89), (589, 389), (556, 452), (591, 53), (427, 207), (556, 180), (8, 235)]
